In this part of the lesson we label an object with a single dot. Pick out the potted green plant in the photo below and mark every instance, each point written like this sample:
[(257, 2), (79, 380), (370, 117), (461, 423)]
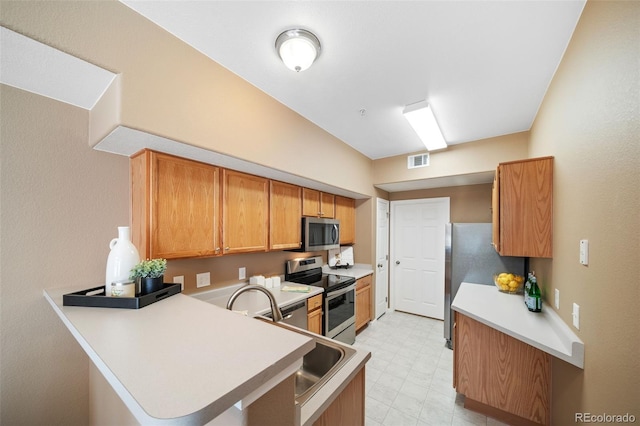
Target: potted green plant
[(149, 274)]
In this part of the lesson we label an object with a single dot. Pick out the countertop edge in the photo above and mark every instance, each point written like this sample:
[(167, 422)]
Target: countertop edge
[(197, 417), (574, 351), (316, 405), (357, 271)]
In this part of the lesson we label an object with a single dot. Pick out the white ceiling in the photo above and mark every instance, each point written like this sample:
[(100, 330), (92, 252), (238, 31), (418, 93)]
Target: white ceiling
[(484, 66)]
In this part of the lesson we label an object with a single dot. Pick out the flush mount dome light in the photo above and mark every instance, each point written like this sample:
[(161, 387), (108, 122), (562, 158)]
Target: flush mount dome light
[(298, 49)]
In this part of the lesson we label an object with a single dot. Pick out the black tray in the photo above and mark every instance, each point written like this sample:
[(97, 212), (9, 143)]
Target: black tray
[(99, 300)]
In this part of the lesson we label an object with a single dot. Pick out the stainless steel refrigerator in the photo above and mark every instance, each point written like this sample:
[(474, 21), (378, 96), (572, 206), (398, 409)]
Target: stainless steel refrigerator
[(470, 257)]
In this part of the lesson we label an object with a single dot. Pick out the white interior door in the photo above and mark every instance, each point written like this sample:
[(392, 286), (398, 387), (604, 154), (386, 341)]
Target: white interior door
[(382, 258), (417, 255)]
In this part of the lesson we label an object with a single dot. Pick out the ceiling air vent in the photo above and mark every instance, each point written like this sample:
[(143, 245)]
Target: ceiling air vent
[(420, 160)]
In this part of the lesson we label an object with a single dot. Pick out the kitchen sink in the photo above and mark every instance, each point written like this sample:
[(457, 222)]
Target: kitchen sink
[(319, 365)]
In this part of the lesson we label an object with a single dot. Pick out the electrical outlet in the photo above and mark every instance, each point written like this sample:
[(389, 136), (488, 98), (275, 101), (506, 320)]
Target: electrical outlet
[(576, 316), (203, 279), (179, 280), (242, 273), (557, 298)]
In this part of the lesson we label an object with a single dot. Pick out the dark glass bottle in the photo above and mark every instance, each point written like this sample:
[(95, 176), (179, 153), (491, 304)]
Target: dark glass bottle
[(534, 302), (527, 286)]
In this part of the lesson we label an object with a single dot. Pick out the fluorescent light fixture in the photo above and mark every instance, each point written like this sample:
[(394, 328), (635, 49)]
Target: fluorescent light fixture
[(298, 49), (420, 117)]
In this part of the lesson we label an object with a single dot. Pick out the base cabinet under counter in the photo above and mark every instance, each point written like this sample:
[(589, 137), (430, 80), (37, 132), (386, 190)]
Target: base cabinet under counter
[(500, 376), (314, 314)]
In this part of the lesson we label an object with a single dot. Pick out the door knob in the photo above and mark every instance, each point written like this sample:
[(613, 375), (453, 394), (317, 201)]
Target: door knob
[(397, 262)]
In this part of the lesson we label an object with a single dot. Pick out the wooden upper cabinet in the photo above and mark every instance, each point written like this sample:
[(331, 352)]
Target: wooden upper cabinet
[(317, 204), (285, 212), (245, 212), (523, 221), (345, 212), (175, 206)]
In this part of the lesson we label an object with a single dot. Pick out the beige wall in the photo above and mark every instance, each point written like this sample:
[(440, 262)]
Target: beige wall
[(61, 204), (590, 122), (467, 204)]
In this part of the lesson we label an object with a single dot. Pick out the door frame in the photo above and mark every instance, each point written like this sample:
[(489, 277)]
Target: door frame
[(379, 276), (392, 231)]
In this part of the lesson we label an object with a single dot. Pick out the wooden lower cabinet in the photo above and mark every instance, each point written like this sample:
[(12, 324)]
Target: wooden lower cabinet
[(363, 301), (314, 314), (348, 407), (500, 376)]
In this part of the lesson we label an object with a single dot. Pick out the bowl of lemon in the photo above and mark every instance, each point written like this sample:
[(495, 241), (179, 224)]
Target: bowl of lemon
[(508, 282)]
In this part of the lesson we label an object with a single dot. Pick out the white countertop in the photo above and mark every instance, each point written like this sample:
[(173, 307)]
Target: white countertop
[(357, 271), (507, 313), (254, 302), (180, 346)]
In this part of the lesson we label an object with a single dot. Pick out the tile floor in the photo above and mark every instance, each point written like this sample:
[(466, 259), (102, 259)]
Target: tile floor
[(409, 375)]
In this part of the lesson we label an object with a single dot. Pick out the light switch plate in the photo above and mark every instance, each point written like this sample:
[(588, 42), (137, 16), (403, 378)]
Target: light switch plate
[(576, 316), (203, 279), (556, 298), (584, 252), (242, 273), (179, 280)]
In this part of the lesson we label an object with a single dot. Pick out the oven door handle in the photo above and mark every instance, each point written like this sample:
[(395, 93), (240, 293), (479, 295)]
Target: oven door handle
[(340, 291)]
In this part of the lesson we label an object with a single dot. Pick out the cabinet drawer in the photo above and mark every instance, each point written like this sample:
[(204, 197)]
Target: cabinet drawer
[(363, 282), (314, 302)]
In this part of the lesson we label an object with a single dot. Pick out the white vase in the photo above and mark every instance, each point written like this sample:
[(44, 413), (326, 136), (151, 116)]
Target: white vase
[(122, 258)]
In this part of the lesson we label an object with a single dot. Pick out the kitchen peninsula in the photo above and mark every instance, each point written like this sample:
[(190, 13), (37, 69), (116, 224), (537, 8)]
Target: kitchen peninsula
[(185, 361), (502, 354)]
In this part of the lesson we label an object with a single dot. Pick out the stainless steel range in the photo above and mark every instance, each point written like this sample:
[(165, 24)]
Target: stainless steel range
[(339, 296)]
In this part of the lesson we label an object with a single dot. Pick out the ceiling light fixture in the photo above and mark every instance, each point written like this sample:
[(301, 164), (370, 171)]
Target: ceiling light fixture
[(298, 49), (421, 118)]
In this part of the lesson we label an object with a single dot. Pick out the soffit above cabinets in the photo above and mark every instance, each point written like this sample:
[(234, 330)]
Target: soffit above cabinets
[(439, 182), (35, 67)]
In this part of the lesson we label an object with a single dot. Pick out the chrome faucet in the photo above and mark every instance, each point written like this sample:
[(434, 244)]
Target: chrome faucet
[(276, 315)]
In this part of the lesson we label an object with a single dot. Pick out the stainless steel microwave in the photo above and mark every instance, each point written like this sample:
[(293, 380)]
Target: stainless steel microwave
[(320, 234)]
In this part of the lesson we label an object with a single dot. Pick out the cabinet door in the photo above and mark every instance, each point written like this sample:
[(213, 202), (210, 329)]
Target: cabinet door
[(345, 212), (310, 202), (363, 301), (314, 321), (184, 208), (317, 204), (526, 208), (327, 205), (245, 212), (285, 212)]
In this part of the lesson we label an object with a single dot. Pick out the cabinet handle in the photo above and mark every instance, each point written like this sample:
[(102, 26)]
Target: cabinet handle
[(217, 249), (397, 262), (379, 265), (226, 249)]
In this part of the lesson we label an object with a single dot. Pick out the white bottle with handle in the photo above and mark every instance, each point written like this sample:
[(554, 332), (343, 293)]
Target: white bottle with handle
[(122, 258)]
